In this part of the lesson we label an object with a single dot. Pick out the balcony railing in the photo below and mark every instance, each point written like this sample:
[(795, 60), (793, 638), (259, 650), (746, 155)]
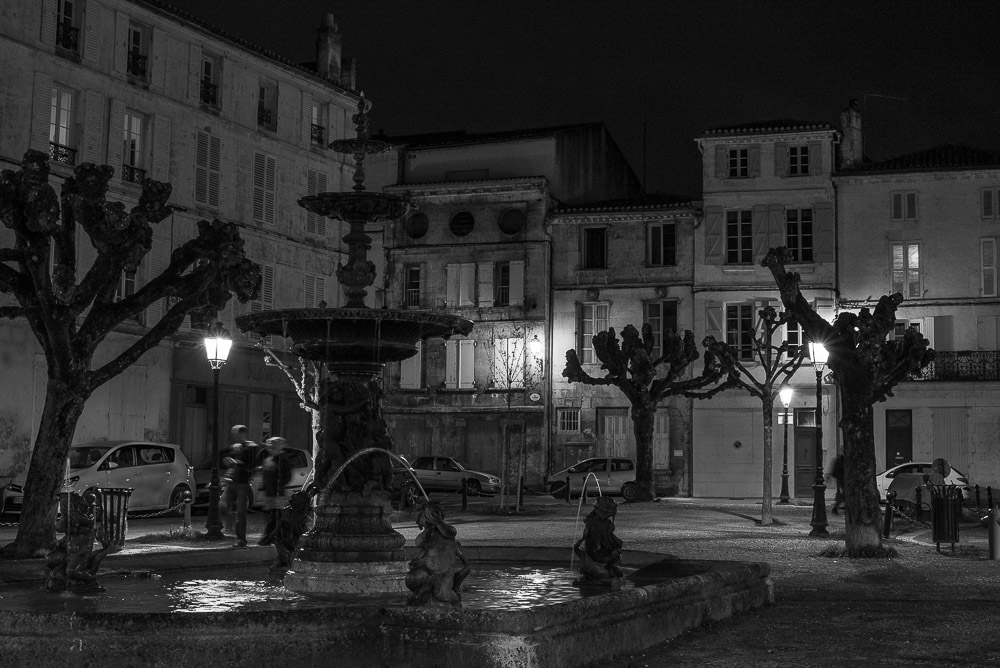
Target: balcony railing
[(137, 65), (411, 297), (63, 154), (67, 36), (133, 174), (962, 365), (210, 93), (264, 116), (502, 296), (318, 135)]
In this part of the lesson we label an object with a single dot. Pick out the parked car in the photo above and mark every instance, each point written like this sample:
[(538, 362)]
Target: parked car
[(444, 474), (884, 479), (615, 475), (302, 464), (157, 473)]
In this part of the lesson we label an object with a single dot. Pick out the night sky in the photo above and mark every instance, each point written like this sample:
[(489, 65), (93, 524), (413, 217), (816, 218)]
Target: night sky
[(675, 67)]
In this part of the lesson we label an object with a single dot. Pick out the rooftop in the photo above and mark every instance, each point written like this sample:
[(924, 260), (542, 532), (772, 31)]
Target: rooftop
[(767, 127), (938, 158), (646, 202), (461, 137)]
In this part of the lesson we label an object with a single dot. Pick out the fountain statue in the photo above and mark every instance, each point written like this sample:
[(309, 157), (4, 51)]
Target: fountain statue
[(352, 547), (439, 567), (599, 550)]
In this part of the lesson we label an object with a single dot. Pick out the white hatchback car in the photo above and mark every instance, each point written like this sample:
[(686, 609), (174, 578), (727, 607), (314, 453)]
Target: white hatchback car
[(157, 473), (614, 475), (884, 479)]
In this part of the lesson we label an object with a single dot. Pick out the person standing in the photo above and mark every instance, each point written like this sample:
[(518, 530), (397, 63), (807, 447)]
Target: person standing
[(838, 475), (239, 460), (277, 473)]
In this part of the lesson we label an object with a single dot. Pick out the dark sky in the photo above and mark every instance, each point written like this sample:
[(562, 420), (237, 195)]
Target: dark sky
[(678, 67)]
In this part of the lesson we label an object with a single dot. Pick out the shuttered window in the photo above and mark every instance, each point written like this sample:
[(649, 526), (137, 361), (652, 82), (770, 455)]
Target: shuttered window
[(314, 290), (264, 301), (661, 316), (315, 183), (739, 237), (593, 319), (904, 205), (263, 188), (208, 161), (460, 364), (508, 363), (988, 266), (411, 370), (799, 234), (990, 203), (906, 269), (739, 330)]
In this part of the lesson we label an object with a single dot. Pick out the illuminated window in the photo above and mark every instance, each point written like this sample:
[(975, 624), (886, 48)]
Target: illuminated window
[(739, 330), (904, 205), (799, 234), (795, 339), (61, 127), (906, 269), (593, 319), (137, 56), (132, 148), (267, 106), (739, 237)]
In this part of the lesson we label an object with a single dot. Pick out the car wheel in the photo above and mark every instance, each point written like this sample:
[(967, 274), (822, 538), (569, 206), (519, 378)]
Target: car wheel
[(630, 492), (176, 497), (410, 494), (475, 489)]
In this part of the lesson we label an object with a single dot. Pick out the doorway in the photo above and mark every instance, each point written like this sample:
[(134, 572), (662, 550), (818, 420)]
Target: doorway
[(898, 437), (805, 452)]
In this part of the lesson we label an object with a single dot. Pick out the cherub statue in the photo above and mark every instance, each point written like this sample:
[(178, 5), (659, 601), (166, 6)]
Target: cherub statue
[(437, 572), (294, 520), (73, 564), (599, 550)]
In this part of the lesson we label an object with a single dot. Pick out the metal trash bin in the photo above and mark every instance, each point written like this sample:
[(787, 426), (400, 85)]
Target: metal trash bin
[(114, 502), (946, 513)]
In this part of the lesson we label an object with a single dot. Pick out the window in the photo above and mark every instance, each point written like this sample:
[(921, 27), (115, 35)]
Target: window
[(315, 183), (461, 223), (317, 131), (988, 266), (208, 158), (461, 288), (137, 56), (508, 363), (314, 291), (798, 160), (501, 285), (416, 226), (459, 364), (512, 221), (739, 237), (61, 127), (568, 419), (899, 329), (593, 319), (661, 316), (411, 287), (67, 34), (209, 90), (799, 234), (267, 107), (795, 339), (612, 422), (739, 163), (126, 288), (906, 269), (990, 202), (661, 245), (904, 205), (411, 370), (595, 249), (739, 330), (263, 188), (265, 300), (132, 148)]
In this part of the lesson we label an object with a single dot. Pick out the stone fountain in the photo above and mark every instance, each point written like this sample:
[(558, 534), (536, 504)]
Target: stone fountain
[(352, 547)]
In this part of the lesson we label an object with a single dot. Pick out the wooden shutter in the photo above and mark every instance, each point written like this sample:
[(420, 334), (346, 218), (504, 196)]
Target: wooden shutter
[(315, 183), (714, 234), (760, 231), (823, 232), (263, 188), (161, 148), (158, 64), (754, 161), (517, 283), (721, 162), (775, 225), (41, 110), (452, 281), (486, 284), (781, 159), (315, 290), (989, 200), (825, 308), (228, 101), (306, 132), (911, 205), (815, 157), (451, 363), (466, 364), (155, 262), (410, 370), (121, 42), (334, 114), (92, 32), (48, 22), (714, 321), (116, 132), (93, 129), (194, 73), (988, 266), (944, 332), (897, 206), (467, 285), (214, 165)]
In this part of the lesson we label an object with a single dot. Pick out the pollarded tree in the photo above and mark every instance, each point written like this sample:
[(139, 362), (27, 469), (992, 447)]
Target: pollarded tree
[(646, 381), (865, 368), (305, 378), (71, 315)]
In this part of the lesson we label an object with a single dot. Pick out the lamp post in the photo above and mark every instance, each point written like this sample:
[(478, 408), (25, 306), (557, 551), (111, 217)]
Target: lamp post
[(785, 393), (217, 345), (819, 357)]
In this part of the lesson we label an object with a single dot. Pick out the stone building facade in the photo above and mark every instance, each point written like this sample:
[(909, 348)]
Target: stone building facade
[(239, 132)]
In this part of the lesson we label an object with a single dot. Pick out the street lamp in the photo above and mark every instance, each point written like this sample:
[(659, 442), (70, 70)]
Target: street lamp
[(785, 393), (535, 346), (819, 356), (217, 345)]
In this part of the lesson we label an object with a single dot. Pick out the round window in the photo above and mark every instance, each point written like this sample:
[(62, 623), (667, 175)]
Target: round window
[(461, 223), (512, 221), (416, 225)]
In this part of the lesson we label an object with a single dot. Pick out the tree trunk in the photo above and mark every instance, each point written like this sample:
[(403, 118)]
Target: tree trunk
[(862, 515), (642, 425), (766, 515), (36, 532)]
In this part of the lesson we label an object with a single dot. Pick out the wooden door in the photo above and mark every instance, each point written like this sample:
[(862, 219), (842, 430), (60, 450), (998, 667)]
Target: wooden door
[(898, 437), (805, 452)]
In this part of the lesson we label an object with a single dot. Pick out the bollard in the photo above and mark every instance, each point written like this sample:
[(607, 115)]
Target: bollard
[(567, 490), (187, 508), (989, 496), (977, 497), (520, 492), (918, 510), (465, 493), (994, 532), (890, 504)]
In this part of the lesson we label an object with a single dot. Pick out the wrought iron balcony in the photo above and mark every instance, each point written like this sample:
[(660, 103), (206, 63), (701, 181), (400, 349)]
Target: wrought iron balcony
[(133, 174), (137, 64), (63, 154), (210, 93), (67, 36), (318, 134), (265, 117), (962, 365)]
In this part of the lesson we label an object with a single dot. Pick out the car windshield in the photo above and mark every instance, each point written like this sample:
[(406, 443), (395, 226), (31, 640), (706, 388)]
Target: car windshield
[(453, 465), (81, 458)]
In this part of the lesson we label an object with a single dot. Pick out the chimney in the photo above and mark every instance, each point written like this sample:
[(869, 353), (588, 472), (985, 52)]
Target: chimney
[(851, 152), (348, 72), (328, 46)]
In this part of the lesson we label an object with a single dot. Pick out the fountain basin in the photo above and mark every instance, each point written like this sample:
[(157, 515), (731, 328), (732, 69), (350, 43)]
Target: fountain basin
[(587, 631)]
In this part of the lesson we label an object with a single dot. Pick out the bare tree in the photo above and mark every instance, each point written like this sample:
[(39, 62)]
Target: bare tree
[(71, 315), (865, 368), (305, 378), (646, 381), (512, 368)]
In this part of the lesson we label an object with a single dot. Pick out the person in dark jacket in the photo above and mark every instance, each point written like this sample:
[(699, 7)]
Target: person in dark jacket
[(239, 460), (838, 475), (277, 469)]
